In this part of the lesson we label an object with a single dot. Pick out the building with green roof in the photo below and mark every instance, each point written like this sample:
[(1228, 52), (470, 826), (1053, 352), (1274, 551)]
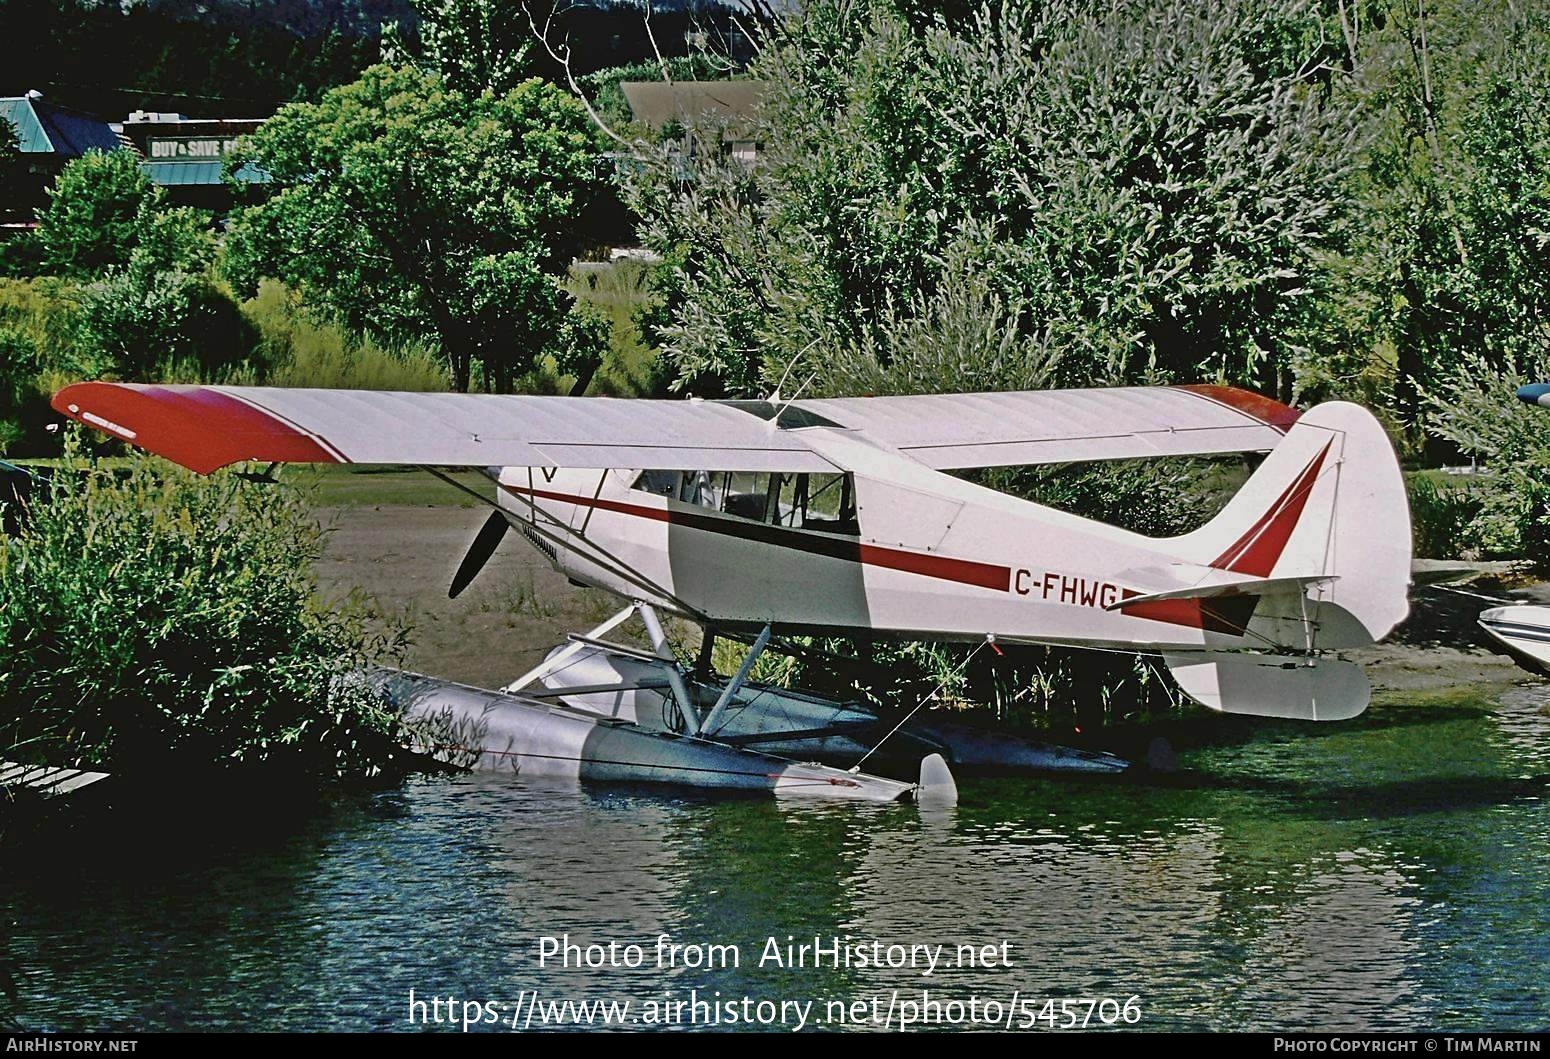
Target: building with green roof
[(49, 136), (181, 154)]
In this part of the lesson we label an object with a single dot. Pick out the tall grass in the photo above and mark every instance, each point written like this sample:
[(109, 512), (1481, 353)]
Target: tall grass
[(621, 292), (1048, 688), (43, 312), (37, 329), (295, 349)]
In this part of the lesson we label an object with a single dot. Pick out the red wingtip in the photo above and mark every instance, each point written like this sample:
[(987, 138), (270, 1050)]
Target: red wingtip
[(199, 427), (1255, 405)]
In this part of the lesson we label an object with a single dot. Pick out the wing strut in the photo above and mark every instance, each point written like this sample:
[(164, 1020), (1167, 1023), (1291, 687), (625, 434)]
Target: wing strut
[(714, 720), (554, 662)]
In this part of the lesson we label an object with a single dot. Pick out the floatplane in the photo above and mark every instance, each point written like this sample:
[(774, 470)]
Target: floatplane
[(757, 520)]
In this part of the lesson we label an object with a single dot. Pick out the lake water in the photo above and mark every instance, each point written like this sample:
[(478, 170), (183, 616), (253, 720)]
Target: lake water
[(1390, 874)]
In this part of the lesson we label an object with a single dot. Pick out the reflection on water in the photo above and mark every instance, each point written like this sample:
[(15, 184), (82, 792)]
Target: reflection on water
[(1522, 726), (1387, 874), (1342, 951)]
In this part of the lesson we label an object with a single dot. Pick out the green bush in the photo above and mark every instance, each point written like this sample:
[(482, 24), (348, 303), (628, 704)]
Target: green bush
[(1446, 518), (1157, 498), (1455, 193), (1474, 411), (1010, 196), (159, 313), (38, 322), (151, 618), (150, 325)]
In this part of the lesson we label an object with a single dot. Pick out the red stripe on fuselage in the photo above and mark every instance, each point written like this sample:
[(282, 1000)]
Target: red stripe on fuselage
[(1223, 614), (945, 568), (1191, 613)]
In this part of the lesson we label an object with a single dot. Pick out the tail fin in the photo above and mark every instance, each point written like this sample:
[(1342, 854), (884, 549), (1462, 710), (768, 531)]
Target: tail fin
[(1328, 507)]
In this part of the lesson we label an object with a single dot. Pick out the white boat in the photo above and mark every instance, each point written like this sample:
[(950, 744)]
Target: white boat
[(1524, 630)]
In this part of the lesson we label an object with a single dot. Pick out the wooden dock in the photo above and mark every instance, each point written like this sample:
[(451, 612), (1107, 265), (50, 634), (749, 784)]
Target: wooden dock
[(44, 780)]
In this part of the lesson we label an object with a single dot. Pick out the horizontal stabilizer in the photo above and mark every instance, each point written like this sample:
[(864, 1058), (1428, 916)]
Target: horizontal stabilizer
[(1226, 586), (1293, 687)]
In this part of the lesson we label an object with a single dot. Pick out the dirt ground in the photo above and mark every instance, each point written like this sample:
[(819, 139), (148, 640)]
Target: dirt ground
[(503, 624), (518, 608)]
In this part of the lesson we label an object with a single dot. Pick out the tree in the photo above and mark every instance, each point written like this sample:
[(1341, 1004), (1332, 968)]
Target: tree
[(413, 212), (11, 162), (475, 45), (93, 210), (1456, 193), (140, 271), (1016, 195)]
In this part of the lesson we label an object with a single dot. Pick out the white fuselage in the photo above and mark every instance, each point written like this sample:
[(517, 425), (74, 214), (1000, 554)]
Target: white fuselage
[(926, 556)]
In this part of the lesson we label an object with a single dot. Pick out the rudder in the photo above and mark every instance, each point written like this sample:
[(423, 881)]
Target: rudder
[(1329, 502)]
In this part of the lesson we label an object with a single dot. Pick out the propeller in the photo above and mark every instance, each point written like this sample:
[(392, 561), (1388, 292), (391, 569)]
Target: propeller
[(479, 552)]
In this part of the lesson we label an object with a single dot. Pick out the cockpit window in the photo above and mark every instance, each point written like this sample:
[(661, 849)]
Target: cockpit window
[(662, 483), (818, 502), (741, 493), (824, 502)]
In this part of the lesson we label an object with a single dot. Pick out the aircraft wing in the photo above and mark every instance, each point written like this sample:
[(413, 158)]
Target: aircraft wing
[(207, 427), (957, 431)]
